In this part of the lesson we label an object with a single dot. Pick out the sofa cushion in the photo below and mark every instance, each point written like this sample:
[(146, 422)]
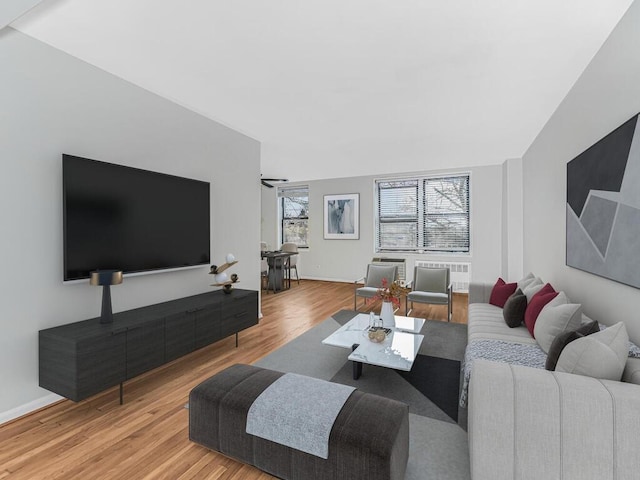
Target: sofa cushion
[(501, 292), (556, 317), (514, 308), (563, 339), (536, 304), (600, 355), (487, 323)]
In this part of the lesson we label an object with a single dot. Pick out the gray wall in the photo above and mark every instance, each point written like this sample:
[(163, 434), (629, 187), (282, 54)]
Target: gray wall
[(606, 95), (53, 103), (346, 260)]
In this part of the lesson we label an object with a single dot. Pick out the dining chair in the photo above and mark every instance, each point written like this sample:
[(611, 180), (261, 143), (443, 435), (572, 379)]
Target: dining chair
[(293, 259), (373, 281), (432, 286)]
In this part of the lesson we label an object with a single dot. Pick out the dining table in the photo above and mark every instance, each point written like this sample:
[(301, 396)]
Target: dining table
[(279, 277)]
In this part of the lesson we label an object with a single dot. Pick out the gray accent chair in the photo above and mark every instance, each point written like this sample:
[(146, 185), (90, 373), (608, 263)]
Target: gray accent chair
[(373, 281), (430, 285)]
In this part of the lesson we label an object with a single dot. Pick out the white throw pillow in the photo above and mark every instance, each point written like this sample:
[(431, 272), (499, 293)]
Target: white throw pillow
[(556, 317), (532, 288), (599, 355), (526, 280)]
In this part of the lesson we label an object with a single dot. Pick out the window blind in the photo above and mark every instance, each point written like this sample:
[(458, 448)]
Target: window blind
[(423, 214)]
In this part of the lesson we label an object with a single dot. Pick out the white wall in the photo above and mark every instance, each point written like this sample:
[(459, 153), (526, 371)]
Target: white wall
[(346, 260), (13, 9), (53, 103), (606, 95), (512, 219)]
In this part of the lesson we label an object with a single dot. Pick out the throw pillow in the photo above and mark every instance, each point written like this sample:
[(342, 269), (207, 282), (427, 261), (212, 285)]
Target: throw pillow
[(526, 280), (501, 292), (564, 339), (600, 355), (554, 319), (536, 304), (514, 308), (532, 288)]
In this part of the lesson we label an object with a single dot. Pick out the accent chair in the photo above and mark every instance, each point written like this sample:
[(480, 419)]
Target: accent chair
[(430, 285), (373, 281)]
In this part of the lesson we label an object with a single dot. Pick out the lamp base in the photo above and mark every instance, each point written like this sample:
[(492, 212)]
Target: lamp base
[(106, 315)]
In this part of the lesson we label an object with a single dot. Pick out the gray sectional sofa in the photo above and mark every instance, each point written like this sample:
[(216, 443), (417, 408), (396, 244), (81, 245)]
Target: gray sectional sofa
[(531, 423)]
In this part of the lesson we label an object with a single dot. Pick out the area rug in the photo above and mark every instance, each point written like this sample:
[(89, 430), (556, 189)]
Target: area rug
[(438, 444)]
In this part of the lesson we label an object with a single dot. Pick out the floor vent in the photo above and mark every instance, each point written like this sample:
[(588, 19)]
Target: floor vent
[(400, 262), (460, 273)]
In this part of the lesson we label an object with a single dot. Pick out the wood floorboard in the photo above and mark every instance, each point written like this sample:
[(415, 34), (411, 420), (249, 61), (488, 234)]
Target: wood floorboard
[(147, 437)]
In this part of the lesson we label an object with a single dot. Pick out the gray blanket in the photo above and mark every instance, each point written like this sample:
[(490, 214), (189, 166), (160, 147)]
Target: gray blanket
[(299, 412), (499, 351)]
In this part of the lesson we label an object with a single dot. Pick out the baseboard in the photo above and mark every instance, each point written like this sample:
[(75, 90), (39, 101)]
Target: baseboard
[(30, 407), (324, 279)]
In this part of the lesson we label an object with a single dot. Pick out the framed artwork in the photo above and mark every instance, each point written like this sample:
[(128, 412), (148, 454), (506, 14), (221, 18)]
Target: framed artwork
[(342, 217), (603, 207)]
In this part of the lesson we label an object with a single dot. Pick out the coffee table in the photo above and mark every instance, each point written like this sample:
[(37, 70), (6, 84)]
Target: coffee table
[(397, 351)]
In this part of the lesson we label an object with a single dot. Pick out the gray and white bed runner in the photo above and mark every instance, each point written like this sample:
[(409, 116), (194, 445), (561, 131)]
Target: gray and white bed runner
[(299, 412)]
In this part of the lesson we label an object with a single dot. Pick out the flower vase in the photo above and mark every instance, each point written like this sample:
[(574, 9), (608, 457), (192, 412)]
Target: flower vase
[(386, 315)]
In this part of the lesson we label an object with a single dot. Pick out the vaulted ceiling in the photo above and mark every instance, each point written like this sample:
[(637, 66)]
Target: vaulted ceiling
[(336, 88)]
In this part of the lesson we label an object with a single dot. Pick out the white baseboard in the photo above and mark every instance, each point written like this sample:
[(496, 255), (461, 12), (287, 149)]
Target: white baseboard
[(324, 279), (29, 407)]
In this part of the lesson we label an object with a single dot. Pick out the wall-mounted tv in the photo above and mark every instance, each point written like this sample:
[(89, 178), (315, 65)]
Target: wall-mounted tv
[(128, 219)]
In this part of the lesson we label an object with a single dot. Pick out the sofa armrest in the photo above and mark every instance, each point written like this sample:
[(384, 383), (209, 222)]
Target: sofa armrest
[(480, 292), (528, 423)]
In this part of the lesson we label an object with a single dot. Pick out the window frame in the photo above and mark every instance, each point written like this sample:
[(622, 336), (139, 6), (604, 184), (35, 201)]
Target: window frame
[(422, 231), (281, 195)]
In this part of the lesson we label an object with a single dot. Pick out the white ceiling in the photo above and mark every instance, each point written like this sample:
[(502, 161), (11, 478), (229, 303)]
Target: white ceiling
[(336, 88)]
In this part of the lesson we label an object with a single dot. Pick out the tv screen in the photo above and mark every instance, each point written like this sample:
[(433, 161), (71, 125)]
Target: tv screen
[(128, 219)]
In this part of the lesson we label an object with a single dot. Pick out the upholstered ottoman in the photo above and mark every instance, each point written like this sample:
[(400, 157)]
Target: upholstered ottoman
[(369, 438)]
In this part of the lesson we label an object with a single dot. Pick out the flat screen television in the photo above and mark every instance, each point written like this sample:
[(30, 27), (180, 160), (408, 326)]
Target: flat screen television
[(128, 219)]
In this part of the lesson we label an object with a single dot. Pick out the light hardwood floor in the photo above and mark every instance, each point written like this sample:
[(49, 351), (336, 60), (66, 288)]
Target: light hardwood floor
[(147, 437)]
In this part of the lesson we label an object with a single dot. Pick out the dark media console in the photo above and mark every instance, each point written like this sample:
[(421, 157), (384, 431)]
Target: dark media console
[(81, 359)]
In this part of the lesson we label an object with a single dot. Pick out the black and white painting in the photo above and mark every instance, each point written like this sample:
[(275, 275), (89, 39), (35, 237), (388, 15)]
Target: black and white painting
[(341, 217), (603, 207)]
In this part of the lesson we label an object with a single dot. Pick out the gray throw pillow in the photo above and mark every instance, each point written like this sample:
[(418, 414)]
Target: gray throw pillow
[(514, 308), (563, 339), (556, 317), (600, 355)]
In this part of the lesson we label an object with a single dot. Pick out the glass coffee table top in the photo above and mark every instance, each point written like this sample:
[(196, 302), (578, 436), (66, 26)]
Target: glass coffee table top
[(397, 351)]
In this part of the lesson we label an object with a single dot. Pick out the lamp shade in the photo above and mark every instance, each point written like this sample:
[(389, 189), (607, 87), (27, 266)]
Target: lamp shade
[(106, 277)]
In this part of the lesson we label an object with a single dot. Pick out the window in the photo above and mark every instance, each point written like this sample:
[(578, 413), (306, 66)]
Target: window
[(425, 214), (294, 214)]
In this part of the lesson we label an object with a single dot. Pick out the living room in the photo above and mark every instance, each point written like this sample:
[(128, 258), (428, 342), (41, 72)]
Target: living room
[(55, 103)]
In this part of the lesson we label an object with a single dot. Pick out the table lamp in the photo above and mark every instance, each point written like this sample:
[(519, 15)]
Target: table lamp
[(106, 278)]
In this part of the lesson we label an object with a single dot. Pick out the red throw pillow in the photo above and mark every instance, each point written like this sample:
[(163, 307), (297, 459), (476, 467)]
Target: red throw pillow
[(535, 306), (501, 292)]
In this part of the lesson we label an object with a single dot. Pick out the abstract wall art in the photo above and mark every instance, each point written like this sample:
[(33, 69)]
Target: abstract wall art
[(603, 207), (341, 217)]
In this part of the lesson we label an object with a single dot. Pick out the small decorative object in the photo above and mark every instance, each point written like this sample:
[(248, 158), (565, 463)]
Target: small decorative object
[(222, 279), (106, 278), (390, 296), (387, 316), (377, 335)]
